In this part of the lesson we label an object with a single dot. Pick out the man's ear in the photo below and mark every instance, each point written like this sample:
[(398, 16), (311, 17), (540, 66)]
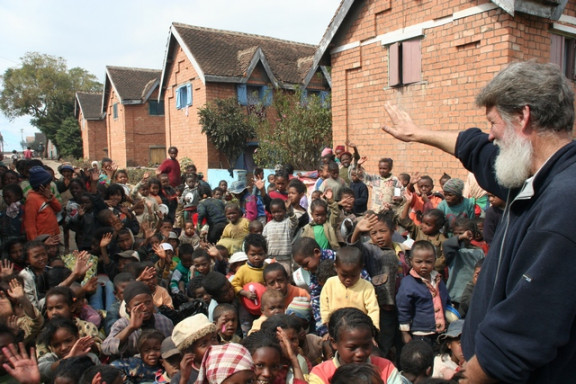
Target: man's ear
[(524, 118), (428, 371)]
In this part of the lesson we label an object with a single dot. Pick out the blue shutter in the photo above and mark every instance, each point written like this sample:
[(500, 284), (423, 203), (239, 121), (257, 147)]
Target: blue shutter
[(188, 94), (323, 97), (241, 92), (115, 110), (266, 96), (304, 97), (178, 101)]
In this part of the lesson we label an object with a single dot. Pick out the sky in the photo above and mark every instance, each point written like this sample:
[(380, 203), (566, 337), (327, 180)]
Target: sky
[(93, 34)]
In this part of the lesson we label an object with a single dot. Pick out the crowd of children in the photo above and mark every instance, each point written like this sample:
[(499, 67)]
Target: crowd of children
[(293, 281)]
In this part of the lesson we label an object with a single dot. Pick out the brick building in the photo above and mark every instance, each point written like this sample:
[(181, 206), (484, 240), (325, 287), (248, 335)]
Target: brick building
[(431, 57), (134, 117), (88, 112), (203, 64)]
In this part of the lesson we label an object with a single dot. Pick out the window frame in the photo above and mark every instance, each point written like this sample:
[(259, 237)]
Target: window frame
[(184, 96), (156, 108)]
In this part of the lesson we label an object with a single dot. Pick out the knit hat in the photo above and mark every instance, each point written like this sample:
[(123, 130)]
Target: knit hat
[(134, 289), (38, 176), (300, 307), (455, 186), (340, 148), (65, 167), (189, 330), (326, 152), (222, 361), (168, 348)]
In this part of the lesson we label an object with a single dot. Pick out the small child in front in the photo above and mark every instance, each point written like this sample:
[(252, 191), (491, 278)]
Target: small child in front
[(253, 271), (142, 368), (422, 297), (347, 289), (278, 232), (236, 230), (272, 304)]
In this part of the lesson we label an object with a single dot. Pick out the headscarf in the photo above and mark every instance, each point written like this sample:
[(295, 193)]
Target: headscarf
[(222, 361), (455, 186)]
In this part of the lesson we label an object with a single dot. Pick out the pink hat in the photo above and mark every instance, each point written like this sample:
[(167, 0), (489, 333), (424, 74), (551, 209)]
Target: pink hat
[(326, 152)]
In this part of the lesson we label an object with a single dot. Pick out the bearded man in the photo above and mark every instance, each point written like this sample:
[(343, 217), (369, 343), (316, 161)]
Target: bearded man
[(521, 326)]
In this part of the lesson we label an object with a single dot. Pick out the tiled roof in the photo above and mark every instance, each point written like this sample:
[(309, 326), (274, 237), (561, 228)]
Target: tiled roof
[(90, 104), (133, 83), (228, 54)]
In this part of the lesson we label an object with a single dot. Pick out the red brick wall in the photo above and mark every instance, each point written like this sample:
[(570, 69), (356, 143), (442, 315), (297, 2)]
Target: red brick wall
[(458, 59), (93, 137), (116, 131), (131, 135)]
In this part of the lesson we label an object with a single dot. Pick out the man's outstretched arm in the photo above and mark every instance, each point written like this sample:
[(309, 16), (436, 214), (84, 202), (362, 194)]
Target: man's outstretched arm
[(403, 128)]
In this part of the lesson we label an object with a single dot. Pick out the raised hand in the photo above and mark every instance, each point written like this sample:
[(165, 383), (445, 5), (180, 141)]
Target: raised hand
[(147, 274), (402, 127), (16, 290), (6, 268), (46, 192), (328, 194), (367, 222), (91, 285), (259, 183), (159, 251), (106, 240), (83, 263), (52, 240), (81, 346), (362, 160), (137, 316), (22, 367)]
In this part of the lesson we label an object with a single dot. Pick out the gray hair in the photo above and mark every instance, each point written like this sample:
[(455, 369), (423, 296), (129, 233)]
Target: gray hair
[(542, 87)]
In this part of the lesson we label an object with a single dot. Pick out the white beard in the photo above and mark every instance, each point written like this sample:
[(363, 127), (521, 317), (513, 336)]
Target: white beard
[(513, 163)]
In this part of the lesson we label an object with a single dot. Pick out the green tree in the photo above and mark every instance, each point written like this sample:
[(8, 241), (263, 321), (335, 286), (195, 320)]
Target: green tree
[(43, 87), (70, 138), (295, 131), (227, 126)]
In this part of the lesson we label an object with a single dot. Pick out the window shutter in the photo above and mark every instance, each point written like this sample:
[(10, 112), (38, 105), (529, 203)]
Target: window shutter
[(304, 97), (266, 96), (115, 110), (241, 94), (556, 50), (188, 94), (411, 62), (570, 58), (178, 100), (323, 96), (394, 65)]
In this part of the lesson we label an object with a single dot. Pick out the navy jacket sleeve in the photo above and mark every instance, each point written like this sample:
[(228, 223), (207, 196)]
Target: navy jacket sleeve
[(472, 149)]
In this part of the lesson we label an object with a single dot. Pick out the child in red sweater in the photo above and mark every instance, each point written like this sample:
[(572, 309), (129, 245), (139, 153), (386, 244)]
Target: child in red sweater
[(41, 207)]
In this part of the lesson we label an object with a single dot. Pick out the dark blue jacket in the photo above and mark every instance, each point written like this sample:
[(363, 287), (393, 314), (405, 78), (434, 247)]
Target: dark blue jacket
[(415, 306), (360, 197), (521, 324)]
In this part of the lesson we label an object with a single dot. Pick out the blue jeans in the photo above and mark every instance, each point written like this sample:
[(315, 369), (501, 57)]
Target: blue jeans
[(104, 297)]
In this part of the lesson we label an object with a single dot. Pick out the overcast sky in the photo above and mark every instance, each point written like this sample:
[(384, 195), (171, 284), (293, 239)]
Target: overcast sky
[(93, 34)]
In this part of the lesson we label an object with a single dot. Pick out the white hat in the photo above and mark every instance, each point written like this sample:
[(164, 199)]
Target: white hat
[(238, 257), (167, 247), (190, 329)]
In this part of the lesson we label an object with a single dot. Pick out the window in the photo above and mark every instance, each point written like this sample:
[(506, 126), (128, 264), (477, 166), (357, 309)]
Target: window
[(155, 108), (563, 53), (404, 63), (253, 94), (322, 95), (115, 110), (184, 96)]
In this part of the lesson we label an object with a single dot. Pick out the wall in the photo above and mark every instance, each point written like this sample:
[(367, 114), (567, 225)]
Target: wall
[(93, 138), (458, 58), (116, 131)]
